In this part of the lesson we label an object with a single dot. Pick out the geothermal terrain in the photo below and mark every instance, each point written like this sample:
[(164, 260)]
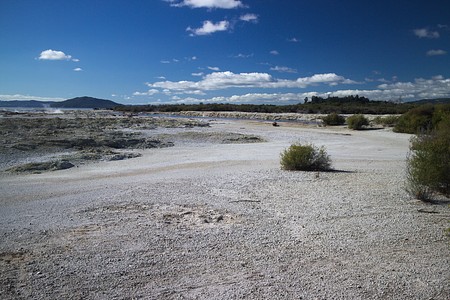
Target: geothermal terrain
[(95, 205)]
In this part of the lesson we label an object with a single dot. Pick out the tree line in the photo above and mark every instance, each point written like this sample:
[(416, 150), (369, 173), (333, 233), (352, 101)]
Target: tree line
[(314, 105)]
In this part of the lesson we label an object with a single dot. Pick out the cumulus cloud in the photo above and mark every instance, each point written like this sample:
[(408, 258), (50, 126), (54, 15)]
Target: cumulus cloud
[(150, 92), (224, 4), (282, 69), (209, 28), (213, 68), (78, 69), (55, 55), (420, 88), (249, 18), (260, 98), (435, 87), (227, 79), (426, 33), (436, 52)]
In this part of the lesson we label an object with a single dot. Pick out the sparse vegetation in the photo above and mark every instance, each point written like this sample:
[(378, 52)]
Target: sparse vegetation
[(388, 121), (428, 163), (422, 118), (357, 122), (305, 158), (333, 119), (340, 105)]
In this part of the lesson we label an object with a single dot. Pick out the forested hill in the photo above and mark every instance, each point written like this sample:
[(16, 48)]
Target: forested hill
[(85, 102)]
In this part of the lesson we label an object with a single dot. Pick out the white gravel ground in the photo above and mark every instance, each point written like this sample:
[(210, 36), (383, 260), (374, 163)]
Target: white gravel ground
[(221, 221)]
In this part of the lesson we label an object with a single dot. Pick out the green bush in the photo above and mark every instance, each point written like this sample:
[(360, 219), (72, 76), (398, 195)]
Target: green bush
[(388, 121), (333, 119), (305, 158), (422, 118), (356, 122), (428, 163), (416, 120)]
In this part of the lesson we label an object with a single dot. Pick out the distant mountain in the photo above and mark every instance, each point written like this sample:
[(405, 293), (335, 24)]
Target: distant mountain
[(79, 102), (25, 103), (433, 101), (85, 102)]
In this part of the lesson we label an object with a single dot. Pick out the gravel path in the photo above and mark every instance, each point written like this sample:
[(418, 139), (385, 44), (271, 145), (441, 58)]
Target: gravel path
[(203, 220)]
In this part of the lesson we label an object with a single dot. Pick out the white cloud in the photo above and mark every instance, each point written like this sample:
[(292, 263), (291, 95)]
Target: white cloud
[(28, 97), (225, 4), (294, 40), (173, 60), (436, 87), (78, 69), (55, 55), (197, 74), (274, 52), (425, 33), (436, 52), (214, 68), (150, 92), (282, 69), (240, 55), (209, 28), (260, 98), (249, 18), (227, 79)]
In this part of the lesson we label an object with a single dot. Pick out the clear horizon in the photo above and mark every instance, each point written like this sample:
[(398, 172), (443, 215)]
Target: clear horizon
[(223, 51)]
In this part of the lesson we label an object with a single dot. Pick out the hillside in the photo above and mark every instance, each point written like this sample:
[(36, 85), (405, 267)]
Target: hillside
[(434, 101), (85, 102)]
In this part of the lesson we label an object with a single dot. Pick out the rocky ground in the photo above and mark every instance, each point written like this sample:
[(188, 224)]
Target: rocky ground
[(37, 142), (214, 217)]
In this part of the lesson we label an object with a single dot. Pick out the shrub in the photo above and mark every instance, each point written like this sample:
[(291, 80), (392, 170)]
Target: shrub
[(333, 119), (356, 122), (415, 120), (305, 158), (428, 163), (422, 118), (388, 121)]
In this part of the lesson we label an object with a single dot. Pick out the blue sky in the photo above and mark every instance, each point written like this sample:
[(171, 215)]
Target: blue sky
[(217, 51)]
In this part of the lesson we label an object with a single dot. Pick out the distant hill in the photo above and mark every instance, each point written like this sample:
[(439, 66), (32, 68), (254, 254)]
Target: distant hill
[(25, 103), (85, 102), (78, 102), (433, 101)]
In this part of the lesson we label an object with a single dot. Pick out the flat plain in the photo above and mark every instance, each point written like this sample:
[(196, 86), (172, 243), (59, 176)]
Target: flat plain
[(205, 212)]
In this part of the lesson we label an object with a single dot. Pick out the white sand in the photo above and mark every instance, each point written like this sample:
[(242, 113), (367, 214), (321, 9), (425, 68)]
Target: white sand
[(222, 221)]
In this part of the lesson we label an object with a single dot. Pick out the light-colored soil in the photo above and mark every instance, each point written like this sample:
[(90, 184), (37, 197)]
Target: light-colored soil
[(205, 220)]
